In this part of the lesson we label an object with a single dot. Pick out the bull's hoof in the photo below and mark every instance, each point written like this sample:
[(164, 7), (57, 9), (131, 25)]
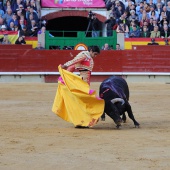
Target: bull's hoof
[(118, 126), (102, 119), (137, 126)]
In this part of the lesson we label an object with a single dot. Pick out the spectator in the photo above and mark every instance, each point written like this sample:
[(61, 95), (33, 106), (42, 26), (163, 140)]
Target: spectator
[(118, 47), (124, 19), (165, 33), (95, 23), (21, 24), (145, 33), (7, 16), (1, 13), (159, 8), (39, 47), (168, 6), (123, 28), (11, 26), (33, 28), (167, 13), (155, 33), (133, 16), (153, 24), (132, 24), (111, 22), (35, 16), (14, 19), (38, 5), (154, 15), (147, 7), (143, 20), (3, 28), (20, 40), (24, 32), (6, 40), (163, 20), (33, 5), (119, 12), (106, 47), (135, 32), (8, 5), (139, 8)]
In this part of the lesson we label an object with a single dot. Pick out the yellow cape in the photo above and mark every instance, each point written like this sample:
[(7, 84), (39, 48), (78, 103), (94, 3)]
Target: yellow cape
[(75, 102)]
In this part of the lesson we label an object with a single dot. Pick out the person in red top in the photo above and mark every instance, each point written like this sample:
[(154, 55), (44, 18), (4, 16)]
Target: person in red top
[(83, 62)]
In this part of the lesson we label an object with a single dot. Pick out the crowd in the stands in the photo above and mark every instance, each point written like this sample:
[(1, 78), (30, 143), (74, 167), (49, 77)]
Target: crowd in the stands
[(139, 18), (20, 15)]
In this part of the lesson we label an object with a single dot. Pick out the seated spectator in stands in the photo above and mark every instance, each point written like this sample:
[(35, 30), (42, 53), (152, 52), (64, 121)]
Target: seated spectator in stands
[(135, 32), (21, 10), (5, 40), (8, 5), (106, 47), (133, 16), (42, 30), (33, 28), (16, 4), (21, 24), (167, 13), (123, 28), (24, 32), (33, 5), (11, 26), (165, 33), (168, 6), (14, 19), (119, 12), (20, 40), (153, 14), (124, 19), (133, 22), (35, 16), (1, 12), (159, 8), (27, 3), (111, 22), (7, 16), (118, 47), (145, 33), (152, 24), (146, 7), (163, 20), (3, 29), (39, 47), (155, 33), (139, 8)]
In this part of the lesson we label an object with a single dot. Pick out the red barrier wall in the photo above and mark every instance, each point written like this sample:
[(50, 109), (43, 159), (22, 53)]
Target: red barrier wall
[(145, 59), (25, 60)]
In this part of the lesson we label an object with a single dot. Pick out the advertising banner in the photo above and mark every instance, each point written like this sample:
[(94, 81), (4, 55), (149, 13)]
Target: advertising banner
[(72, 3)]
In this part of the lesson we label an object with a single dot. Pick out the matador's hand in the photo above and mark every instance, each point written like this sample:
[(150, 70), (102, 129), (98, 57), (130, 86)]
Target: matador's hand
[(63, 66)]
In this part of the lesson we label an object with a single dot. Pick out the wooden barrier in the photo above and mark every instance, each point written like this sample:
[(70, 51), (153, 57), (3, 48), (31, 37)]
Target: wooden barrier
[(30, 60)]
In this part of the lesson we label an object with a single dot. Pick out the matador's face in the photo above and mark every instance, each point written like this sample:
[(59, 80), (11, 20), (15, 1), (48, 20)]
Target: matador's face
[(93, 54)]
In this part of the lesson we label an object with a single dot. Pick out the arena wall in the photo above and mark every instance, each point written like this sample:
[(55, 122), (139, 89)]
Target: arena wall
[(43, 64)]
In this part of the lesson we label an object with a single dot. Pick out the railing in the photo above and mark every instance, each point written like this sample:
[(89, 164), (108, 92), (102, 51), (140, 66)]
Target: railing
[(61, 39)]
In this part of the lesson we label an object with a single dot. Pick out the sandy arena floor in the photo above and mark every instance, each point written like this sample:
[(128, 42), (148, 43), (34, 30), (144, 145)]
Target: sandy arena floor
[(34, 138)]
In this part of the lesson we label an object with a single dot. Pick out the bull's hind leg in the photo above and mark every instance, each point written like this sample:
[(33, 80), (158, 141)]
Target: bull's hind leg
[(131, 116), (124, 118)]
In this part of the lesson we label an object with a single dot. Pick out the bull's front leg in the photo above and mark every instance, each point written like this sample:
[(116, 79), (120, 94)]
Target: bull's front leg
[(103, 116), (130, 114)]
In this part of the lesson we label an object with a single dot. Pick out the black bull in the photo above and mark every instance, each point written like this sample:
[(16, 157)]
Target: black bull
[(115, 92)]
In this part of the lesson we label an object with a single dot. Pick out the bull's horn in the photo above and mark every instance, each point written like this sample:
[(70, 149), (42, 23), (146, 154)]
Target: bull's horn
[(118, 100)]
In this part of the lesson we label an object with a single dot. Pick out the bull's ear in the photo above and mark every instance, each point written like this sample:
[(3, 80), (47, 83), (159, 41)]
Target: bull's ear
[(118, 100)]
